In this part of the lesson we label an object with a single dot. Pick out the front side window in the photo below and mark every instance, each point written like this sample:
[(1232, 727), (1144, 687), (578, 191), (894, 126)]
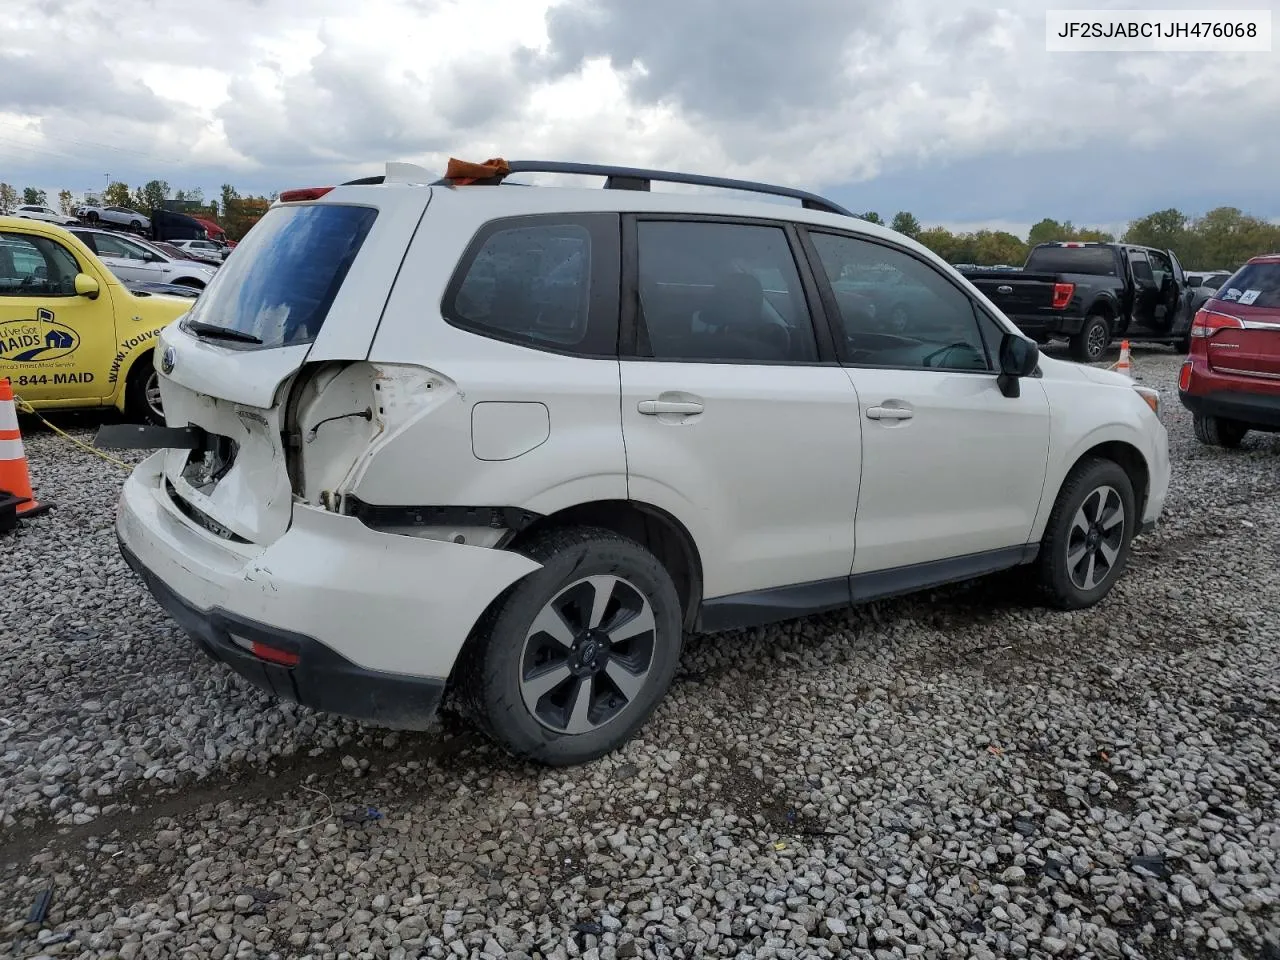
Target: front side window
[(1161, 267), (725, 292), (897, 311), (1142, 271), (33, 266)]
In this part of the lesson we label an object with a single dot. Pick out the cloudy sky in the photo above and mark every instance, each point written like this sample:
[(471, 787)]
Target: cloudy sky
[(950, 109)]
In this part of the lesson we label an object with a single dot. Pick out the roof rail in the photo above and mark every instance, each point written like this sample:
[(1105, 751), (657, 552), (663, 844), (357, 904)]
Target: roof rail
[(638, 178)]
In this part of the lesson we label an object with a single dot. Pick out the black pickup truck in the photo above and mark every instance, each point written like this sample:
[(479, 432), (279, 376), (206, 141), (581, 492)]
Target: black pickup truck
[(1091, 293)]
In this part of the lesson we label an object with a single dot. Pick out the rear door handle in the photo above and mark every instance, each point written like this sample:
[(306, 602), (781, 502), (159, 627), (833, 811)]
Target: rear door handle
[(652, 408), (889, 413)]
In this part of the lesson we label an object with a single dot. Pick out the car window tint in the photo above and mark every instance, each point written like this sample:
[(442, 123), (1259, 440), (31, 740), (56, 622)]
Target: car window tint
[(1257, 284), (1141, 267), (1161, 267), (529, 283), (721, 291), (33, 266), (897, 311)]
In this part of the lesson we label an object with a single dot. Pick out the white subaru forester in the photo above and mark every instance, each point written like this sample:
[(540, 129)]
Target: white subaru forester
[(432, 435)]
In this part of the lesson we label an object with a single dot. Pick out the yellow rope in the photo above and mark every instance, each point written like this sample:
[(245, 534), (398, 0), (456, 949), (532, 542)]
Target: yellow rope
[(27, 408)]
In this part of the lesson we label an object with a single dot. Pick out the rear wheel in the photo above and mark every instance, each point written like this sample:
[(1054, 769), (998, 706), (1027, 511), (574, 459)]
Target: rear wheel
[(92, 217), (142, 393), (1219, 432), (572, 661), (1089, 345), (1086, 542), (189, 282)]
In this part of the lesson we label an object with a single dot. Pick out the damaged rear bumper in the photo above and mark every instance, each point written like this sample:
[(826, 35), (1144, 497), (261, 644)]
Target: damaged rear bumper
[(321, 678), (368, 624)]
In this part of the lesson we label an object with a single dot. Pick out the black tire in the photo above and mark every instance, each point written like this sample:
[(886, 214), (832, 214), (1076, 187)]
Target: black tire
[(137, 404), (1218, 431), (503, 655), (135, 225), (92, 217), (189, 282), (1090, 344), (1060, 573)]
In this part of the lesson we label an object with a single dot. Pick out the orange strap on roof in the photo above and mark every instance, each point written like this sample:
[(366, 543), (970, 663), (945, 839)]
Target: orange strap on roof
[(462, 173)]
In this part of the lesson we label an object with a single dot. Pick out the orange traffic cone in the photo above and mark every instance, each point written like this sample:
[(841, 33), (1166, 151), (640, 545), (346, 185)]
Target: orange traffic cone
[(14, 477), (1125, 363)]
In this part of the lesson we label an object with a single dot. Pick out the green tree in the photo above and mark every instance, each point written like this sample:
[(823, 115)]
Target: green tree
[(155, 193), (139, 201), (1049, 230), (870, 216), (65, 202), (30, 195), (1090, 235), (941, 241), (1164, 229), (117, 195), (8, 198), (906, 224), (229, 196)]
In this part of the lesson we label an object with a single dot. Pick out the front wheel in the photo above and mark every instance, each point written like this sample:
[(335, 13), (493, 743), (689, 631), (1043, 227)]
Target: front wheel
[(572, 661), (188, 282), (1219, 431), (1089, 345), (142, 394), (1086, 542)]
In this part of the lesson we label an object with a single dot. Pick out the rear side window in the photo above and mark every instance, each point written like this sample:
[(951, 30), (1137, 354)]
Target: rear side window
[(1256, 284), (288, 270), (1097, 261), (546, 282)]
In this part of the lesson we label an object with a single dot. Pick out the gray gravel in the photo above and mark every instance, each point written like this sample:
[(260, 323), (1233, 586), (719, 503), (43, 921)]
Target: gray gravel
[(956, 775)]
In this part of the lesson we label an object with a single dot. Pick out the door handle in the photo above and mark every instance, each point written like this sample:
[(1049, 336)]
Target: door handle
[(652, 408), (889, 413)]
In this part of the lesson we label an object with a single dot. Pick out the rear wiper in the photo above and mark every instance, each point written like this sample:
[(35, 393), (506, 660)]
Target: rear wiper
[(224, 333)]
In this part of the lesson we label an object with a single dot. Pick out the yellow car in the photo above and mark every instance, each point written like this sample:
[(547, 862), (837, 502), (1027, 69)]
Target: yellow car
[(71, 334)]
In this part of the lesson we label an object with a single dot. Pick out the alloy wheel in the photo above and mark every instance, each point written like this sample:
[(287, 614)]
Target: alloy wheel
[(587, 655), (1097, 534)]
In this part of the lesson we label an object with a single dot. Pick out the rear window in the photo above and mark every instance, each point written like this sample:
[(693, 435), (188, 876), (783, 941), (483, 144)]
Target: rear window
[(289, 268), (1098, 261), (1256, 285)]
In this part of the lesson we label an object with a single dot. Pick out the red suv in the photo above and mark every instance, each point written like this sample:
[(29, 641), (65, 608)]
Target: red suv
[(1230, 380)]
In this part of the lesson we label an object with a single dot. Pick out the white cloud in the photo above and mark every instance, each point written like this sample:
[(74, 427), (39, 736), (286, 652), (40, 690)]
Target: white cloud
[(853, 96)]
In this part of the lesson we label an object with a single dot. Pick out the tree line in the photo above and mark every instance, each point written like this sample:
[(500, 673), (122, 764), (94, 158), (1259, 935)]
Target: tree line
[(1221, 239), (235, 213)]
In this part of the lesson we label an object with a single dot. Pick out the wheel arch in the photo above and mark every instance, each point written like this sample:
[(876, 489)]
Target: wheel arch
[(1119, 451), (652, 527), (128, 365)]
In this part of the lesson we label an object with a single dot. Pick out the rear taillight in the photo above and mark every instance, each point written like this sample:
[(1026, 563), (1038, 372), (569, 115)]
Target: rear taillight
[(1062, 293), (1184, 376), (1209, 322), (305, 193)]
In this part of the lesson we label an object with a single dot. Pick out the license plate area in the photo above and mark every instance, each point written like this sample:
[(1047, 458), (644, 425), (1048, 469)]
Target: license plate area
[(209, 462)]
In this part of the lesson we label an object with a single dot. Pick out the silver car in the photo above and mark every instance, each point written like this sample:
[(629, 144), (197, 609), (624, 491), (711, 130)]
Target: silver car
[(122, 216)]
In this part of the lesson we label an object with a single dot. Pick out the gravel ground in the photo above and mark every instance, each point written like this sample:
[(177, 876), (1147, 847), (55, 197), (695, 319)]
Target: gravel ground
[(953, 775)]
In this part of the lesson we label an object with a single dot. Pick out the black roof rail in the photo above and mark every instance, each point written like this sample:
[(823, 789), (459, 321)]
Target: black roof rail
[(638, 178)]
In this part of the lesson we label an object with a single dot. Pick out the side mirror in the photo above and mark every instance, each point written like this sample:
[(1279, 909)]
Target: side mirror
[(86, 286), (1018, 358)]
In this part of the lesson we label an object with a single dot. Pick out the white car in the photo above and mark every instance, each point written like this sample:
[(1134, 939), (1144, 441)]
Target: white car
[(514, 443), (121, 216), (134, 259), (203, 248), (36, 211)]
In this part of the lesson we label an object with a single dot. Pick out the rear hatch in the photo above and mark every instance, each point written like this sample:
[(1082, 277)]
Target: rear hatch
[(308, 283), (1251, 347)]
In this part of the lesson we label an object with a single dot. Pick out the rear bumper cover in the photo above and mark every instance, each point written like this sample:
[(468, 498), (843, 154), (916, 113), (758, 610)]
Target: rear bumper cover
[(376, 619), (1044, 325), (322, 679), (1261, 411)]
